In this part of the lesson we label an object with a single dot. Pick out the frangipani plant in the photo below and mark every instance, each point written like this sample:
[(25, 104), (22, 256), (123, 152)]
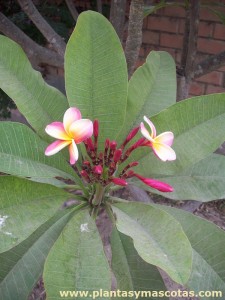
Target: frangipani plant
[(100, 121)]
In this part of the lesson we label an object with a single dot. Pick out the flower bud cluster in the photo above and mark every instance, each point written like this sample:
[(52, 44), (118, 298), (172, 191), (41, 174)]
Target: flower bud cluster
[(101, 167)]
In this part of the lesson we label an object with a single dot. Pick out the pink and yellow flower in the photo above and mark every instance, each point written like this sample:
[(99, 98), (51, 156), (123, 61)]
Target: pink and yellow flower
[(71, 132), (161, 143)]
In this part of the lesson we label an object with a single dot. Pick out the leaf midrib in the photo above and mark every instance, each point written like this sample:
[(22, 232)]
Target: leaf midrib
[(28, 91), (37, 163), (156, 243)]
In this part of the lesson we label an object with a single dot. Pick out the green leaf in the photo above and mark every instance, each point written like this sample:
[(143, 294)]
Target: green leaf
[(219, 14), (151, 89), (22, 265), (151, 9), (96, 73), (208, 243), (77, 261), (203, 181), (131, 271), (198, 125), (22, 154), (24, 206), (158, 238), (40, 103)]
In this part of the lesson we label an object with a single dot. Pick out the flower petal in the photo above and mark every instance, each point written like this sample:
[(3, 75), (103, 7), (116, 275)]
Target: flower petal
[(73, 153), (56, 147), (71, 115), (165, 138), (151, 125), (163, 151), (56, 130), (81, 130), (145, 132)]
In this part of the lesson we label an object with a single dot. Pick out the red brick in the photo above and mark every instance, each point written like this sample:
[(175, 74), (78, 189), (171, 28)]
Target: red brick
[(211, 89), (213, 78), (205, 29), (206, 14), (222, 69), (210, 46), (171, 40), (178, 57), (219, 32), (174, 11), (145, 23), (181, 26), (60, 72), (196, 89), (139, 63), (142, 52), (163, 24), (150, 37)]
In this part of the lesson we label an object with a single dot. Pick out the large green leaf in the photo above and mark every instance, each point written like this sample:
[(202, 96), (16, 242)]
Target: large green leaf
[(198, 125), (96, 73), (158, 238), (40, 103), (22, 154), (131, 271), (208, 243), (24, 206), (77, 261), (151, 89), (22, 265), (203, 181)]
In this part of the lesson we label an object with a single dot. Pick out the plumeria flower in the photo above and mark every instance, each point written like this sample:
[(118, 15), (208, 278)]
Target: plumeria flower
[(161, 143), (71, 132)]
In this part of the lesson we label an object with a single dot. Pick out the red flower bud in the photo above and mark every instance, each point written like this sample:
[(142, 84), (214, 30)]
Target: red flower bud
[(129, 174), (117, 155), (113, 145), (85, 175), (138, 143), (107, 142), (132, 134), (86, 163), (95, 128), (98, 169), (119, 181), (133, 164), (90, 144), (155, 184)]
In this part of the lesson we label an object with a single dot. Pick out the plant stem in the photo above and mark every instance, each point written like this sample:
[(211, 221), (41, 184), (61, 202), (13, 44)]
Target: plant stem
[(72, 186), (98, 196), (80, 206), (110, 213), (116, 200)]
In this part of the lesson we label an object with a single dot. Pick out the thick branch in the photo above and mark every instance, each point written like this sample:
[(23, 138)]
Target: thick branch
[(210, 64), (193, 37), (134, 38), (72, 9), (51, 36), (99, 6), (185, 39), (36, 53), (117, 16), (189, 49)]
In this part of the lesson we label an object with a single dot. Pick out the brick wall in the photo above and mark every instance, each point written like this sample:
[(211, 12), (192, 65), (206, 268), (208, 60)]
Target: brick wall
[(164, 31)]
